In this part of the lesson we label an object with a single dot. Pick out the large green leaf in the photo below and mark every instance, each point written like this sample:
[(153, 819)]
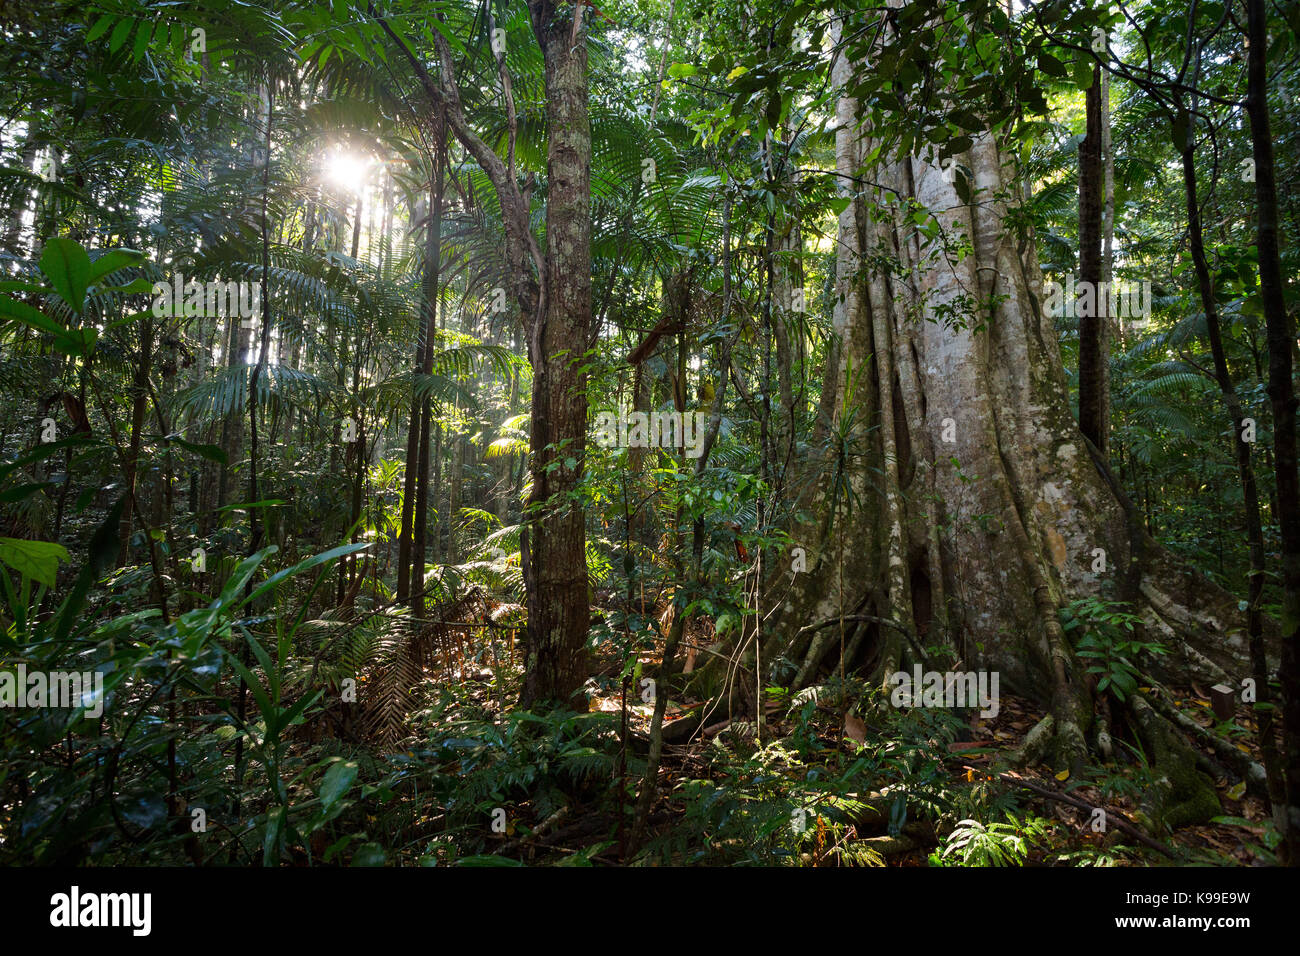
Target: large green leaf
[(38, 560), (67, 266), (30, 316), (103, 549), (305, 565), (112, 260), (338, 779), (243, 573)]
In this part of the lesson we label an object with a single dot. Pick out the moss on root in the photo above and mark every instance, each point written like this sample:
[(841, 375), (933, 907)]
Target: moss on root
[(1181, 795)]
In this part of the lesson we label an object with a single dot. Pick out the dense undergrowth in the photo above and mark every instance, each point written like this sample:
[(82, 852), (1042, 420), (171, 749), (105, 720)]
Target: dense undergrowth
[(472, 782)]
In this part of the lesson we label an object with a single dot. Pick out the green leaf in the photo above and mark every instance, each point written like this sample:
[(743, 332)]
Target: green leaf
[(20, 492), (243, 574), (22, 287), (67, 266), (1123, 681), (139, 286), (29, 316), (1181, 123), (1052, 66), (338, 780), (103, 549), (100, 28), (79, 342), (369, 854), (38, 560), (112, 260), (141, 41), (264, 705), (306, 564), (210, 452), (271, 839), (119, 34), (962, 185), (959, 144)]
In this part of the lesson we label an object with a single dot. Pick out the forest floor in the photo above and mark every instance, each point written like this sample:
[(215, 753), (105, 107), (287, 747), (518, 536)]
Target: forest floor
[(723, 799)]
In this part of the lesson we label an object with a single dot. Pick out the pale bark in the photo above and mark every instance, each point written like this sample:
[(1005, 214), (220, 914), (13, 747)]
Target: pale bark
[(973, 543)]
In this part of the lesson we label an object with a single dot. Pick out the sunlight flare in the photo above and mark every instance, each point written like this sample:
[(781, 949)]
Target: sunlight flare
[(347, 170)]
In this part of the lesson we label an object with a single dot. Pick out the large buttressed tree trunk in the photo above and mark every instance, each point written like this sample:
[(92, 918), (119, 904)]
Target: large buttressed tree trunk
[(975, 509)]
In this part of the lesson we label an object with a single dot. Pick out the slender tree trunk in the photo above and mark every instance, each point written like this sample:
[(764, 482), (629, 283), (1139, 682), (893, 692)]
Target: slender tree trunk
[(783, 250), (431, 285), (406, 530), (454, 484), (1246, 473), (1281, 393), (1094, 404), (558, 616), (232, 424), (254, 524), (139, 402)]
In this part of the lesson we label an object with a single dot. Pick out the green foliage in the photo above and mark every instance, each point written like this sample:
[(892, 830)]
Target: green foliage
[(1107, 636), (972, 843), (149, 139), (143, 660)]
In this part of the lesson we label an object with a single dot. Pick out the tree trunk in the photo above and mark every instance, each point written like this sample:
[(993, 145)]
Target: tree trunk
[(1281, 393), (238, 341), (558, 616), (432, 282), (1094, 385), (976, 507), (553, 292), (131, 466), (1246, 474)]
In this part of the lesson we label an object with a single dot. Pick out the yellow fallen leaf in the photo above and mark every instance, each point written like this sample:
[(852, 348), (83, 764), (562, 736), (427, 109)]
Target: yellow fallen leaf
[(1236, 793), (1063, 775)]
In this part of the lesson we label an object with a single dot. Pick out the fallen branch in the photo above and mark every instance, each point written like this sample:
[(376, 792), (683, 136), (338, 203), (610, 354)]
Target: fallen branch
[(1121, 821)]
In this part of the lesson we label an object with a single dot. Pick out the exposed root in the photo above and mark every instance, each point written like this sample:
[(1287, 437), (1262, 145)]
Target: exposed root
[(1034, 749), (1239, 762), (1101, 738), (1182, 795), (914, 836)]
